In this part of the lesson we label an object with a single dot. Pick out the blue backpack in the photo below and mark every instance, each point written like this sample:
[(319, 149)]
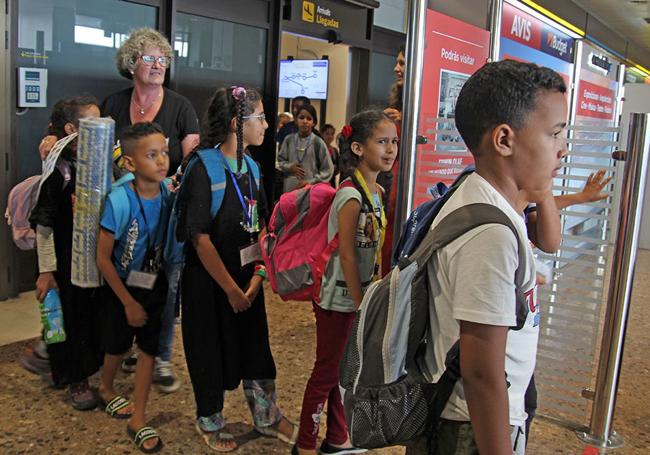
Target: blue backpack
[(419, 222), (123, 211), (214, 165)]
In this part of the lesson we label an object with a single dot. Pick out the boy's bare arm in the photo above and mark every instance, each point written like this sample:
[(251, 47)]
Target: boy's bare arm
[(543, 225), (482, 364), (135, 314)]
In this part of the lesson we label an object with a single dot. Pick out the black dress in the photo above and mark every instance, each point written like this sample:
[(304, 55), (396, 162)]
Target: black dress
[(80, 355), (221, 347), (176, 117)]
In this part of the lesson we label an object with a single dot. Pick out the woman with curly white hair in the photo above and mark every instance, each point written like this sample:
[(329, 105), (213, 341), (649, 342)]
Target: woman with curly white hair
[(144, 58)]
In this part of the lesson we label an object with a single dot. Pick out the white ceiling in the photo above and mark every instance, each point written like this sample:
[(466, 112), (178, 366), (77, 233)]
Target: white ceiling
[(624, 17)]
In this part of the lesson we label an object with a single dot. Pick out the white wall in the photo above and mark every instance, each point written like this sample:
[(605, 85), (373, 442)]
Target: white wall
[(300, 47)]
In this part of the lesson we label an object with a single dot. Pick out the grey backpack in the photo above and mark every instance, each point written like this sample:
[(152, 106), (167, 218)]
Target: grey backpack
[(386, 395)]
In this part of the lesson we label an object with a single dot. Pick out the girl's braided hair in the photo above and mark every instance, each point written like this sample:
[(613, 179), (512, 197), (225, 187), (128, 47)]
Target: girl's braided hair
[(226, 104)]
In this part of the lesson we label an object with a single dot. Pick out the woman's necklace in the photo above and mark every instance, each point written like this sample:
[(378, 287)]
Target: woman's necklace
[(142, 110)]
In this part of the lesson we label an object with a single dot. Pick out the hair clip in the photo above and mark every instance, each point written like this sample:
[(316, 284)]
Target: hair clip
[(238, 93), (346, 131)]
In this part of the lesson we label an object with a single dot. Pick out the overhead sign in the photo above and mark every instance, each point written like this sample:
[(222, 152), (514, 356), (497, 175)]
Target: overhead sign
[(311, 12), (523, 28), (320, 18)]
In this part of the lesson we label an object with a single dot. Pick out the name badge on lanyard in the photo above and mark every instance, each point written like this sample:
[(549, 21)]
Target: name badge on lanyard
[(250, 253), (142, 280)]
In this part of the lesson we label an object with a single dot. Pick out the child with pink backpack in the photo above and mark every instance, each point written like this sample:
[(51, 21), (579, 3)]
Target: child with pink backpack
[(357, 218)]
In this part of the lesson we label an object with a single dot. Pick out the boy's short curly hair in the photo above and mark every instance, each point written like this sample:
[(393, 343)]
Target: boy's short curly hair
[(132, 134), (501, 92), (140, 39)]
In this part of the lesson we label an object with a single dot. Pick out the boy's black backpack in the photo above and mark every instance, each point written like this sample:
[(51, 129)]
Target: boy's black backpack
[(419, 222), (387, 397)]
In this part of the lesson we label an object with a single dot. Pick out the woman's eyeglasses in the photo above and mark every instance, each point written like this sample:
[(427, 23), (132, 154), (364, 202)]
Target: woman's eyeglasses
[(260, 117), (150, 59)]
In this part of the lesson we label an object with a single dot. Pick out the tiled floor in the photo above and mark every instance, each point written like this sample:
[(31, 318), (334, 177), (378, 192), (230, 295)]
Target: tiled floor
[(20, 319), (37, 420)]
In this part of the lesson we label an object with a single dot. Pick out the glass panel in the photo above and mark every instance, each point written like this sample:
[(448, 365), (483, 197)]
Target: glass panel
[(213, 53), (391, 14), (381, 78), (76, 41)]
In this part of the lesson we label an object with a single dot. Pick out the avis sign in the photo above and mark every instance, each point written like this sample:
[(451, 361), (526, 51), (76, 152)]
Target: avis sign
[(523, 28)]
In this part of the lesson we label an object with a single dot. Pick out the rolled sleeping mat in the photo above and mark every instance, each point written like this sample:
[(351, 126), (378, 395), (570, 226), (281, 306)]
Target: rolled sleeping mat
[(94, 172)]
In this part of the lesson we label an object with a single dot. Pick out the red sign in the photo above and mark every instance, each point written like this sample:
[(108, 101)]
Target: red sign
[(595, 101), (454, 51), (521, 27)]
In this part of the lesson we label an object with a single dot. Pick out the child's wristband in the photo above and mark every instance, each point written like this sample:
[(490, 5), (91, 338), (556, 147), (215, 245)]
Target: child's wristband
[(260, 270)]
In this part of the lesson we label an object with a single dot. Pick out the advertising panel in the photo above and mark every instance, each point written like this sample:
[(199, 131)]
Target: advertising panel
[(454, 51), (528, 39)]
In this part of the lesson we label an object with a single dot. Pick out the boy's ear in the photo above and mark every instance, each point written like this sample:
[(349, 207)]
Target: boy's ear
[(69, 128), (502, 139), (128, 163)]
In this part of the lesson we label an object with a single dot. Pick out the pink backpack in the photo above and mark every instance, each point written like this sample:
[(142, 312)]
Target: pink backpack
[(296, 249), (22, 200)]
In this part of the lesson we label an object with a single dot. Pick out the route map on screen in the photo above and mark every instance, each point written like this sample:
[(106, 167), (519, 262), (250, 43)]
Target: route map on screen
[(304, 78)]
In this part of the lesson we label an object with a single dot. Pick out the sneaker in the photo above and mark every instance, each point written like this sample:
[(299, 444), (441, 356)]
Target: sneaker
[(82, 396), (327, 449), (129, 363), (41, 350), (164, 377), (34, 363)]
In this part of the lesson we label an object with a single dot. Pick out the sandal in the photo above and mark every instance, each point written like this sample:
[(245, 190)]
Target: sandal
[(113, 407), (274, 433), (215, 440), (141, 436)]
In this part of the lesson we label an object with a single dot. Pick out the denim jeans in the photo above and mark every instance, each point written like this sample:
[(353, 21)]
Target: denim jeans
[(167, 329)]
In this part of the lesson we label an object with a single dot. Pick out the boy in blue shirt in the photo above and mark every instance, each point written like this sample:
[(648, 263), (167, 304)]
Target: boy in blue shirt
[(129, 256)]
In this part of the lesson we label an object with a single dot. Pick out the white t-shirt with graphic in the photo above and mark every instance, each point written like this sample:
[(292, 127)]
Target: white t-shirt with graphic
[(472, 279)]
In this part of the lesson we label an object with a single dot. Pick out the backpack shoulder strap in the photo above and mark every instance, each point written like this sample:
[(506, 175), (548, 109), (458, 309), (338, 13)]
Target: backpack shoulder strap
[(214, 166), (255, 169), (121, 208), (463, 220)]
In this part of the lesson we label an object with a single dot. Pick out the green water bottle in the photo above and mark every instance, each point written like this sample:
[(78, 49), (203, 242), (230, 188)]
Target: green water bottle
[(52, 318)]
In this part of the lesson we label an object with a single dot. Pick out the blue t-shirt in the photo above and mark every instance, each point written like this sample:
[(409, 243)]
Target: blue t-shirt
[(134, 233)]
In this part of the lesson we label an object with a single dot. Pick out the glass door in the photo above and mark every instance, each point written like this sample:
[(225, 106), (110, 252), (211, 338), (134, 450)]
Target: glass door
[(75, 41)]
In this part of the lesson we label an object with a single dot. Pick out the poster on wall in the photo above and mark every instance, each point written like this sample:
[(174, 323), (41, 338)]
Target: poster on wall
[(528, 39), (454, 51)]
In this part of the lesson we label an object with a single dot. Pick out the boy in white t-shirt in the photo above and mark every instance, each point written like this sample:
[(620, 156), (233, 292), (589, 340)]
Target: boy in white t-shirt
[(512, 117)]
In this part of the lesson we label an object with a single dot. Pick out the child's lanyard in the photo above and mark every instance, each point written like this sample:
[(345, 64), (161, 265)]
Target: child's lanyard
[(151, 239), (247, 208), (303, 150), (377, 224)]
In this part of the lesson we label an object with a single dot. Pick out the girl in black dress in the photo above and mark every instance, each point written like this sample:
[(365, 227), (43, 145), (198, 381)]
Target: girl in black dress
[(225, 331), (79, 356)]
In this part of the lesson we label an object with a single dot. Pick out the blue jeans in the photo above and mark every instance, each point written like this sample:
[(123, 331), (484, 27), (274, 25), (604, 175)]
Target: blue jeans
[(167, 329)]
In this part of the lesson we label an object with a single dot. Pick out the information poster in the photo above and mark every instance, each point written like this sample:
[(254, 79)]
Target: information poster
[(454, 51)]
